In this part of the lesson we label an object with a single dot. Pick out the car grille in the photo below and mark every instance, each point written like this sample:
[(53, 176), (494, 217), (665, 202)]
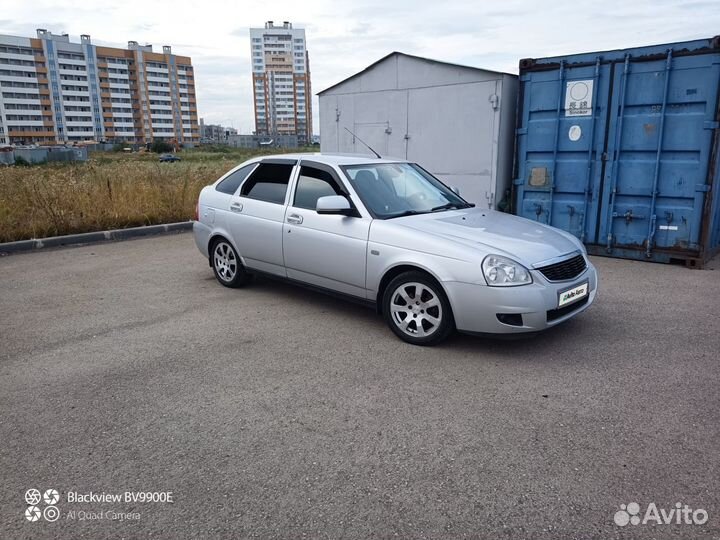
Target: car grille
[(564, 270)]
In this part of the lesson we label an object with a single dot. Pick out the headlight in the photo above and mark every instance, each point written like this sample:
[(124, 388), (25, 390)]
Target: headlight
[(502, 272)]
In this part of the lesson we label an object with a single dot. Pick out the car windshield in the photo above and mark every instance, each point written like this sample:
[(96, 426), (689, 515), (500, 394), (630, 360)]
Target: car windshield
[(391, 190)]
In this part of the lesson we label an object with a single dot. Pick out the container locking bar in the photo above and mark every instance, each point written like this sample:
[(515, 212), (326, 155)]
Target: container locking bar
[(658, 155), (556, 142), (588, 173), (616, 154)]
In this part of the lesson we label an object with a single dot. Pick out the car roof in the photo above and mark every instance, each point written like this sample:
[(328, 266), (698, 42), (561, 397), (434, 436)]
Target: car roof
[(335, 159)]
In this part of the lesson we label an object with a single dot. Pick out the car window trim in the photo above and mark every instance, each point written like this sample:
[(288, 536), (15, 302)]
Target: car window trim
[(271, 161), (279, 161), (233, 171), (335, 176)]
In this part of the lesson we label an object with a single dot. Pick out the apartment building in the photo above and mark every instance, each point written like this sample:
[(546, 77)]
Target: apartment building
[(215, 132), (55, 91), (281, 81)]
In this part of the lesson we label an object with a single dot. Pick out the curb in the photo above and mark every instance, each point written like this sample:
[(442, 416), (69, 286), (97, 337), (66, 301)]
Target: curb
[(93, 237)]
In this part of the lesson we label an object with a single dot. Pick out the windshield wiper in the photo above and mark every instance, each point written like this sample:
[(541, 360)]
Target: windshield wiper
[(436, 209), (406, 213), (450, 205)]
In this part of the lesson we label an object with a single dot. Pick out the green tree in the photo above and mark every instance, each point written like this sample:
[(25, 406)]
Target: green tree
[(160, 147)]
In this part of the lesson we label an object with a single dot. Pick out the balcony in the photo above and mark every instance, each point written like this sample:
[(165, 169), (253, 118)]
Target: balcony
[(26, 133)]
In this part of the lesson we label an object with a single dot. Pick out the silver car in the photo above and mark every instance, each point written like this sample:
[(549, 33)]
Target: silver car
[(389, 233)]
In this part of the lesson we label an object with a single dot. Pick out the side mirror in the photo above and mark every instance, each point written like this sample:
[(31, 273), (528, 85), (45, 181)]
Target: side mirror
[(455, 190), (333, 204)]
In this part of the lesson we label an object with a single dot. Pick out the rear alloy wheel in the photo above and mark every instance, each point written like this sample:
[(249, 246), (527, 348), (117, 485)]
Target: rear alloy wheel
[(417, 310), (226, 264)]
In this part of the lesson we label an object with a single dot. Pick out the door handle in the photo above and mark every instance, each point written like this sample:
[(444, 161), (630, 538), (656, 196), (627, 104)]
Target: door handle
[(294, 218), (236, 207)]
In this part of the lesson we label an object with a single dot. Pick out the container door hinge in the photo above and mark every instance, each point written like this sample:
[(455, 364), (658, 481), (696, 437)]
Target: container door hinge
[(518, 182), (521, 131), (604, 156), (702, 187), (494, 101), (711, 125)]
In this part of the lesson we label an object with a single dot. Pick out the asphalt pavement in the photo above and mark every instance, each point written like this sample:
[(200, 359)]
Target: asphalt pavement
[(276, 412)]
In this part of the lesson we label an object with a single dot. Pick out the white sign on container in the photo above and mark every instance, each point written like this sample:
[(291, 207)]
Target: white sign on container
[(578, 98)]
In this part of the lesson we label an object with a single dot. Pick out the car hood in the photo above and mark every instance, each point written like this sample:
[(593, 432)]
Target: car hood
[(526, 241)]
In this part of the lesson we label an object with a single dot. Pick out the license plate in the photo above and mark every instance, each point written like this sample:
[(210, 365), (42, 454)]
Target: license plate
[(573, 295)]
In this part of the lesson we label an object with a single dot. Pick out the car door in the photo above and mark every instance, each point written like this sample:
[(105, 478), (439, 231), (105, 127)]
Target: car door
[(257, 212), (324, 250)]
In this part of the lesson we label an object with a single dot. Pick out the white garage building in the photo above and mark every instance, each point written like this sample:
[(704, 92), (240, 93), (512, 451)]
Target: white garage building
[(457, 122)]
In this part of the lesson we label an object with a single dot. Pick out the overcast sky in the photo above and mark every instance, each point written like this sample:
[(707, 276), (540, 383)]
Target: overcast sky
[(344, 37)]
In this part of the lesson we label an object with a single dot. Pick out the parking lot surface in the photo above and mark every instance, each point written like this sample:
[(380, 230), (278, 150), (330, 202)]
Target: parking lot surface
[(273, 411)]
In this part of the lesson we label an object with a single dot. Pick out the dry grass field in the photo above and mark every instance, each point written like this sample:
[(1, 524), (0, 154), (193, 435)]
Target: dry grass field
[(110, 191)]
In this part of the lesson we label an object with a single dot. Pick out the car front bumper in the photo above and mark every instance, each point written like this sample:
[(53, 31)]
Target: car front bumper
[(475, 307)]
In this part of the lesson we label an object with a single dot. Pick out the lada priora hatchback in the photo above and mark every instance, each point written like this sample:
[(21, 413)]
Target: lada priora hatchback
[(388, 232)]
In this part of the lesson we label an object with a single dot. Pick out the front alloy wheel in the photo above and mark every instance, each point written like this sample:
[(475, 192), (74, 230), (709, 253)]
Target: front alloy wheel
[(417, 310)]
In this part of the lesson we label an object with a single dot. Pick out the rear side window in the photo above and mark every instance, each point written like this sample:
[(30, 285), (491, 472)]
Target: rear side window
[(313, 184), (232, 182), (268, 183)]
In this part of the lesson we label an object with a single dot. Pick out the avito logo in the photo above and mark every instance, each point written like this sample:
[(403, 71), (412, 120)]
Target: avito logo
[(679, 515)]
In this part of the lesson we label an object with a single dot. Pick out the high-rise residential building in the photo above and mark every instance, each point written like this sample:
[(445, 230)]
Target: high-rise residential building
[(55, 91), (281, 81)]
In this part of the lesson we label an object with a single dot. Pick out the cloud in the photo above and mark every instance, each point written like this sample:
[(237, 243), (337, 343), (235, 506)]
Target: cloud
[(241, 32), (346, 36)]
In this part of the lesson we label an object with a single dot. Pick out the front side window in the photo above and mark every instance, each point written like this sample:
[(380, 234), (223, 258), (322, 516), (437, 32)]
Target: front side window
[(311, 185), (391, 190), (230, 184), (268, 183)]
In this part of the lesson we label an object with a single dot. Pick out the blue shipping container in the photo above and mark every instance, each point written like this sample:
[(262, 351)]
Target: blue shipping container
[(621, 148)]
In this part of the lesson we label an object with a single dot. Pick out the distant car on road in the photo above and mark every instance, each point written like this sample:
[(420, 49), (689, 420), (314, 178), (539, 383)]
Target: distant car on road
[(169, 158), (388, 233)]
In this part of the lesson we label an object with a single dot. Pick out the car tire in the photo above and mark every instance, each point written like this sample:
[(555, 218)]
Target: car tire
[(226, 264), (417, 310)]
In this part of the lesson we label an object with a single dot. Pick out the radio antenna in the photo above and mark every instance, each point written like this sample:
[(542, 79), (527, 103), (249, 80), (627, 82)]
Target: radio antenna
[(366, 144)]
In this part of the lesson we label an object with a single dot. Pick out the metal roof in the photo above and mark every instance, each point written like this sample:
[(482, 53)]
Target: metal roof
[(421, 58)]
